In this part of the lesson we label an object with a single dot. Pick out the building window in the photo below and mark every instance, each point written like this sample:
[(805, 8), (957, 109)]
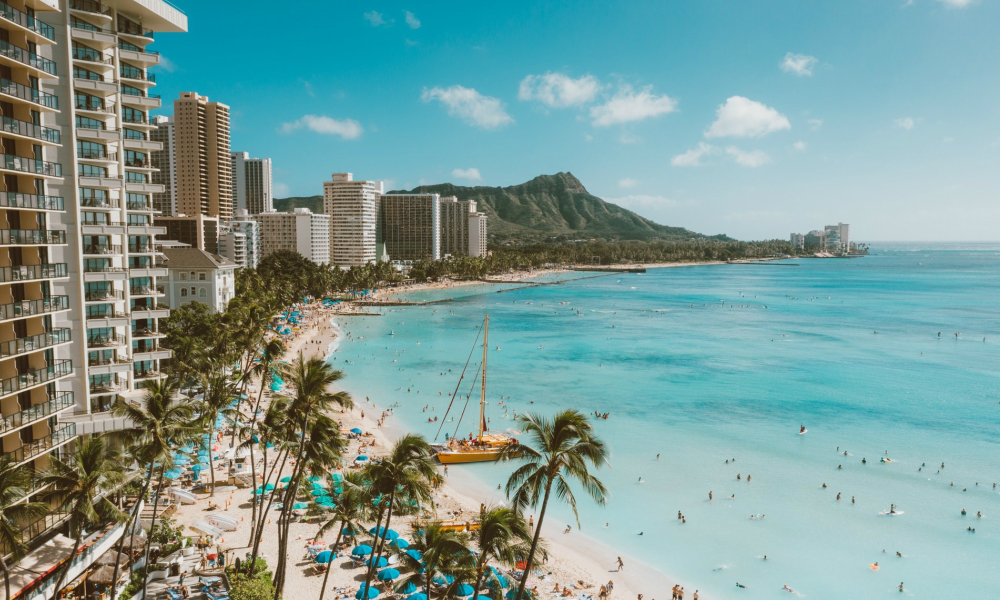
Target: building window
[(184, 292), (184, 276), (192, 291), (201, 277), (201, 292)]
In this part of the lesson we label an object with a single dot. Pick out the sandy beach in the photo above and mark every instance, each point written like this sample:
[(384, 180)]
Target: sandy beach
[(574, 559)]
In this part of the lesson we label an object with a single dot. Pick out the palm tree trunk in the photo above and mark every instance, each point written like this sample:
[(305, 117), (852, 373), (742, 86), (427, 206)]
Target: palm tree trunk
[(534, 544), (69, 561), (129, 531), (283, 526), (253, 481), (329, 565), (259, 527), (149, 538), (380, 539), (211, 466), (480, 572)]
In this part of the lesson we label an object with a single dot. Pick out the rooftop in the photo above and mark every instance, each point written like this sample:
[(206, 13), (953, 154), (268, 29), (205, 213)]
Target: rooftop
[(194, 258)]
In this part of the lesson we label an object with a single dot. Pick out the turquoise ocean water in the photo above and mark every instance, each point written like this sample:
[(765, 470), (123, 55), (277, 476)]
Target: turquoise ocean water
[(704, 364)]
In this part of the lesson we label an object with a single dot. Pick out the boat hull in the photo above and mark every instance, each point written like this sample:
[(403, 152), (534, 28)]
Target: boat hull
[(452, 457)]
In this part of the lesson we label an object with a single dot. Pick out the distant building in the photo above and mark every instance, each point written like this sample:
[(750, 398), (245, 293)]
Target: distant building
[(352, 207), (455, 225), (164, 159), (300, 231), (198, 231), (198, 276), (477, 234), (815, 240), (242, 223), (233, 246), (798, 241), (253, 188), (410, 226), (838, 237), (201, 163)]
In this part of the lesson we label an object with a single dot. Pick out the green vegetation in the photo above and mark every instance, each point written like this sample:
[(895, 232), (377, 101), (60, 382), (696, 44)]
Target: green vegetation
[(313, 203)]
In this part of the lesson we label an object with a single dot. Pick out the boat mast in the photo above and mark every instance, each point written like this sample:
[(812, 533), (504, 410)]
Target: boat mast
[(482, 387)]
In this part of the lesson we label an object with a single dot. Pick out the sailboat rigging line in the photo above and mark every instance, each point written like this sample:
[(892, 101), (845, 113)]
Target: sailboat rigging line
[(467, 398), (452, 401)]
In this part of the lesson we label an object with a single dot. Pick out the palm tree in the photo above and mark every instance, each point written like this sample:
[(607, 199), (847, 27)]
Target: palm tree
[(161, 423), (503, 536), (354, 505), (14, 486), (445, 553), (405, 474), (560, 450), (80, 485), (220, 392)]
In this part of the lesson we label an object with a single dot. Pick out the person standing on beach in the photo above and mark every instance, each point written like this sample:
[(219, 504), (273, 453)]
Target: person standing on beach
[(621, 565)]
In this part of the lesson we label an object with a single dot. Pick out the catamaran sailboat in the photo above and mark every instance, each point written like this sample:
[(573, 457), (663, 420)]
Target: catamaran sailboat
[(487, 446)]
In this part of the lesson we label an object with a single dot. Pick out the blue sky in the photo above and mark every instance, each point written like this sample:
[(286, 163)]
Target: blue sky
[(753, 119)]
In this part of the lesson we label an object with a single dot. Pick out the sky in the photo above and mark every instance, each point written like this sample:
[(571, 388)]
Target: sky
[(753, 119)]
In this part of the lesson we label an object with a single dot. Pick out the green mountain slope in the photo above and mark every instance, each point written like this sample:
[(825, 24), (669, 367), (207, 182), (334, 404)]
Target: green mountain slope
[(313, 203)]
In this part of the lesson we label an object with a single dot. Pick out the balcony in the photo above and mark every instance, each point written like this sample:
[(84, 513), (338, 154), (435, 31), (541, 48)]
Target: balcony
[(97, 155), (107, 361), (101, 249), (136, 74), (145, 290), (141, 249), (108, 387), (139, 374), (142, 312), (145, 102), (91, 6), (23, 92), (104, 296), (23, 164), (27, 58), (105, 341), (91, 55), (35, 342), (95, 105), (99, 202), (139, 206), (32, 24), (31, 308), (30, 130), (13, 385), (61, 401), (150, 353), (31, 201), (31, 237), (32, 449), (33, 272), (129, 27), (146, 333)]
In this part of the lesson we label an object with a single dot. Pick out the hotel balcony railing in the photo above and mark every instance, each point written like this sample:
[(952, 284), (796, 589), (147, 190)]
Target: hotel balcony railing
[(95, 106), (107, 387), (109, 295), (102, 269), (90, 6), (98, 202), (30, 272), (144, 290), (93, 154), (60, 401), (141, 248), (82, 53), (140, 119), (25, 380), (31, 201), (35, 342), (78, 24), (28, 308), (30, 165), (137, 74), (130, 27), (138, 163), (43, 445), (131, 134), (24, 92), (92, 124), (144, 332), (103, 361), (105, 341), (145, 373), (101, 249), (108, 312), (31, 130), (25, 237), (23, 56), (133, 205), (15, 16)]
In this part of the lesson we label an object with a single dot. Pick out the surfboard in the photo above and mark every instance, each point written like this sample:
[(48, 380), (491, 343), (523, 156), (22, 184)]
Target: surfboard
[(890, 514)]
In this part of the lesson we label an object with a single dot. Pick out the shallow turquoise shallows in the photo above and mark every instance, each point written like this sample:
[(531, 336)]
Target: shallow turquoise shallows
[(705, 364)]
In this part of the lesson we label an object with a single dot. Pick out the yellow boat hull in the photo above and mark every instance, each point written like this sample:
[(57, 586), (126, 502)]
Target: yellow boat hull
[(453, 457)]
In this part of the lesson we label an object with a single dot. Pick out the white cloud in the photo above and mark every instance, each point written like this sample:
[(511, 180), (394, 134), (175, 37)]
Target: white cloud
[(798, 64), (752, 158), (629, 138), (375, 18), (470, 106), (743, 117), (906, 123), (692, 158), (347, 129), (800, 146), (281, 190), (471, 174), (815, 124), (628, 105), (558, 90), (166, 64), (957, 3), (412, 20), (588, 137), (628, 182)]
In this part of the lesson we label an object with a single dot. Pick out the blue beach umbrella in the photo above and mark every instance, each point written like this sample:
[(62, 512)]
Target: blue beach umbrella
[(347, 532), (357, 431), (464, 589), (368, 593), (499, 577), (318, 485), (409, 588), (361, 458), (388, 575), (443, 579), (417, 597), (285, 479), (382, 532), (362, 550), (324, 557), (381, 562), (313, 478), (414, 554), (269, 487), (319, 492), (300, 506), (401, 543)]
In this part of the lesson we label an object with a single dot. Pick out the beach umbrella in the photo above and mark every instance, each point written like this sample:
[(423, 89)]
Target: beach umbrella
[(362, 550), (361, 458), (409, 588), (356, 431), (499, 577), (318, 485), (285, 479), (401, 543), (269, 487), (382, 532), (347, 532), (464, 589), (388, 575), (300, 506), (259, 491), (324, 557), (368, 593), (443, 579), (318, 492), (381, 562), (313, 478), (417, 597), (414, 554), (336, 477)]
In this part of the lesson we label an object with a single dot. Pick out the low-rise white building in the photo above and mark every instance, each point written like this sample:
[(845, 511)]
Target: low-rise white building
[(301, 231), (194, 275)]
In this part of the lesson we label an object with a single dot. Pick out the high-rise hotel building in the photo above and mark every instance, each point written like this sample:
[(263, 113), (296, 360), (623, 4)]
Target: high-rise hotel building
[(410, 226), (353, 208), (79, 312), (253, 187)]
